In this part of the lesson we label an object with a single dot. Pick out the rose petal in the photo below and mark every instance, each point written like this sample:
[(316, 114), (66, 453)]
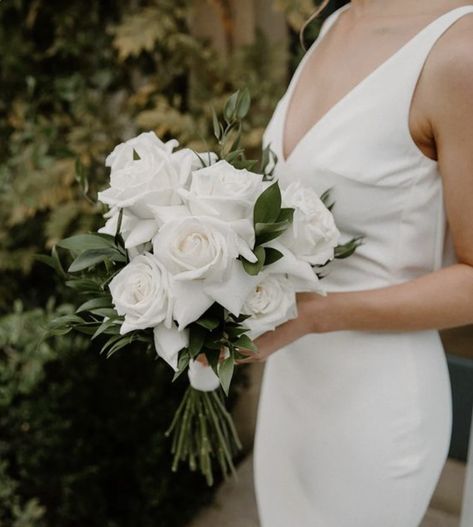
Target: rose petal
[(169, 341), (232, 293), (142, 232), (202, 377), (190, 301)]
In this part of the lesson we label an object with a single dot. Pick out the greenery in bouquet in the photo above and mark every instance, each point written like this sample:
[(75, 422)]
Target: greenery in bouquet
[(107, 265)]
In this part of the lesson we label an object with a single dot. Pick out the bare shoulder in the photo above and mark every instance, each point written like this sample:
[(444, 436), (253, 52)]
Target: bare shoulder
[(449, 75)]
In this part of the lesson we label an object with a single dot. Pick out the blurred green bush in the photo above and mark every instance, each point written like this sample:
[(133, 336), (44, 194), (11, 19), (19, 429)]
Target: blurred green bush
[(81, 437)]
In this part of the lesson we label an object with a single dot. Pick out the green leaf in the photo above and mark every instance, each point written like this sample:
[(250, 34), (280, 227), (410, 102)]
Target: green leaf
[(325, 196), (225, 373), (104, 301), (110, 342), (268, 205), (94, 256), (266, 228), (120, 344), (81, 177), (84, 285), (182, 363), (213, 357), (212, 342), (253, 268), (271, 255), (84, 242), (234, 332), (286, 214), (197, 336), (347, 249), (243, 104), (209, 323), (245, 342), (65, 321), (118, 229), (216, 125), (229, 107), (107, 312), (44, 258), (105, 326), (268, 236)]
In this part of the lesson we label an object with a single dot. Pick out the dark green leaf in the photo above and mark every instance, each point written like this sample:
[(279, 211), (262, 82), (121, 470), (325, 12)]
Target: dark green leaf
[(286, 214), (253, 268), (106, 326), (196, 339), (268, 205), (182, 363), (94, 256), (225, 373), (209, 323), (213, 357), (245, 342), (84, 242), (271, 255), (104, 301)]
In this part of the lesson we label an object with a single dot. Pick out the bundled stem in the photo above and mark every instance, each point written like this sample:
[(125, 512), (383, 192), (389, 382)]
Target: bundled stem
[(202, 430)]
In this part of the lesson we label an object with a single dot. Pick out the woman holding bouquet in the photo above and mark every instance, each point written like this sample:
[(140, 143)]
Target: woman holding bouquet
[(355, 415)]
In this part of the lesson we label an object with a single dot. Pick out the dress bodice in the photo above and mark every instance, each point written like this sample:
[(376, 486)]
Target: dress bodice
[(384, 187)]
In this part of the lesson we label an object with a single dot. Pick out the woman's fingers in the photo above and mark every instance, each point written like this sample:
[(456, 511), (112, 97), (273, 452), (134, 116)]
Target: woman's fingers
[(203, 359)]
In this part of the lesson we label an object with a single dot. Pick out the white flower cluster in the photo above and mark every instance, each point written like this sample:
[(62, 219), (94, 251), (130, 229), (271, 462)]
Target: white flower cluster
[(185, 227)]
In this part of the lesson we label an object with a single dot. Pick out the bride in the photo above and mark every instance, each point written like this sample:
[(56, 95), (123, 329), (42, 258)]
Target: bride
[(354, 418)]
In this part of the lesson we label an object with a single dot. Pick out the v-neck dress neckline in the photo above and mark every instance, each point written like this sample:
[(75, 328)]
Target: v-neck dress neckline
[(348, 95)]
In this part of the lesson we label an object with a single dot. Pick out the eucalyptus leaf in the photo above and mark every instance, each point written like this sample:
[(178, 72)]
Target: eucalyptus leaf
[(216, 125), (229, 107), (243, 104)]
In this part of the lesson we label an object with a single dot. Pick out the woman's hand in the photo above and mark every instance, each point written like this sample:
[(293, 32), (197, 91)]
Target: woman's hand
[(310, 307)]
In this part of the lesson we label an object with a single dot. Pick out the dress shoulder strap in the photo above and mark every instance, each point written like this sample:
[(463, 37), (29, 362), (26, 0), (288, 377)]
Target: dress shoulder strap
[(411, 63)]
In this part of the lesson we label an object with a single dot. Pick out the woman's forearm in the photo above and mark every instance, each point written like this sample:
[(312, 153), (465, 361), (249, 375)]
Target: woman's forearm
[(437, 300)]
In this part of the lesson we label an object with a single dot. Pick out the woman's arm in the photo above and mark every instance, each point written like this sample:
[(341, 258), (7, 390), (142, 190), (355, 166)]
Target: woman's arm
[(440, 299)]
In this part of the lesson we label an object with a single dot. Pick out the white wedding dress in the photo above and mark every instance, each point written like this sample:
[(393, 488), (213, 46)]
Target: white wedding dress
[(354, 427)]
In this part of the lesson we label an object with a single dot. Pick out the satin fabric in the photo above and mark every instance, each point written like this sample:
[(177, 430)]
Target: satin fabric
[(354, 427)]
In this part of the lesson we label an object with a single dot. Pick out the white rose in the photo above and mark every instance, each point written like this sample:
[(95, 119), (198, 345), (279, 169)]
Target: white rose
[(223, 191), (145, 172), (271, 303), (136, 232), (202, 377), (313, 234), (201, 254), (141, 293), (197, 247)]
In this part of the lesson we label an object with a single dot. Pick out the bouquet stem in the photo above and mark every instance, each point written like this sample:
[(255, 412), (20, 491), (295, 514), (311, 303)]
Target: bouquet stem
[(203, 429)]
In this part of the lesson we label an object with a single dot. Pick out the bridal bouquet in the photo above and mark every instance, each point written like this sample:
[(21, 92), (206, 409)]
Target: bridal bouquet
[(200, 254)]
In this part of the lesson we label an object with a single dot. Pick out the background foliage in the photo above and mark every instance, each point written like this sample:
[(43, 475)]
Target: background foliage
[(81, 437)]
